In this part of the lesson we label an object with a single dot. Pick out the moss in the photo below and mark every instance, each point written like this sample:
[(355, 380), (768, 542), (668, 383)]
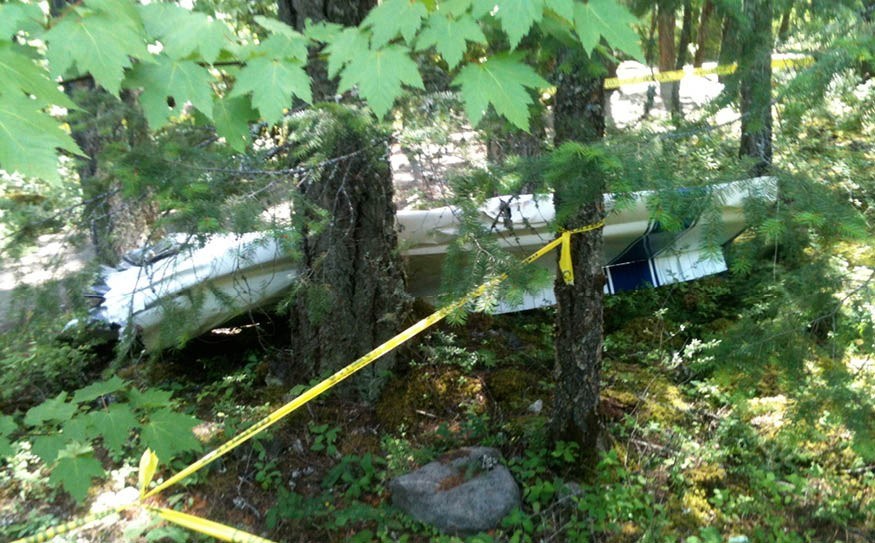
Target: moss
[(651, 392), (426, 394), (707, 476), (691, 510), (511, 388)]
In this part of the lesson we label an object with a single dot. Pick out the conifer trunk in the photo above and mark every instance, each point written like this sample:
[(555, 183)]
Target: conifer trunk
[(686, 34), (579, 116), (350, 295), (665, 21), (296, 13), (116, 223), (755, 69), (728, 45), (702, 34)]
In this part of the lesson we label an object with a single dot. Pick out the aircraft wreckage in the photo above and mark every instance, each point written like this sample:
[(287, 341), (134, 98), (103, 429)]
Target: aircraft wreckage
[(229, 275)]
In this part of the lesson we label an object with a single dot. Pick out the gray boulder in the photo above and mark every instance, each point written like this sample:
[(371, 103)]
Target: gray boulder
[(467, 491)]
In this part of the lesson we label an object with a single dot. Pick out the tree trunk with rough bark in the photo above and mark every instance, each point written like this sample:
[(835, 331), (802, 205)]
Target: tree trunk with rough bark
[(784, 28), (702, 34), (728, 45), (755, 76), (116, 223), (665, 21), (351, 295), (579, 116), (686, 34), (295, 13)]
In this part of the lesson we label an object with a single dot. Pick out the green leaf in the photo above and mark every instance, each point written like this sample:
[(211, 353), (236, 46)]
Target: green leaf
[(322, 31), (184, 32), (115, 425), (450, 37), (232, 117), (479, 8), (608, 19), (345, 47), (79, 429), (29, 137), (285, 41), (281, 46), (96, 42), (272, 83), (55, 409), (150, 398), (562, 8), (517, 17), (7, 425), (169, 433), (74, 474), (454, 7), (98, 389), (48, 447), (17, 16), (6, 449), (168, 84), (501, 81), (394, 17), (379, 75)]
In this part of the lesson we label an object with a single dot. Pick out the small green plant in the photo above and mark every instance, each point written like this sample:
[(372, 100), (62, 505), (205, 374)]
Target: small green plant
[(64, 432), (267, 474), (361, 475), (324, 438)]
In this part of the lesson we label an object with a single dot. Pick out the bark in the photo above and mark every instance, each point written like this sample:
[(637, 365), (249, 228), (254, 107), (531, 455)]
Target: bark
[(728, 45), (503, 141), (686, 34), (702, 35), (867, 13), (345, 12), (755, 69), (579, 116), (116, 223), (295, 13), (665, 21), (784, 29), (351, 296)]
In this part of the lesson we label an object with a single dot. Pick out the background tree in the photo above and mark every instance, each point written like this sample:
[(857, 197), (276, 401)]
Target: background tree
[(755, 67)]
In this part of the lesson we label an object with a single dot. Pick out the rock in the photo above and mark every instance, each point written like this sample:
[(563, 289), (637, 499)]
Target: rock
[(467, 491), (536, 407)]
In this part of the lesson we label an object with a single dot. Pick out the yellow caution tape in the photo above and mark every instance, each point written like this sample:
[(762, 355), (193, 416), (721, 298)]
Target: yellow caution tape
[(148, 465), (359, 364), (61, 529), (565, 264), (149, 462), (677, 75), (207, 527)]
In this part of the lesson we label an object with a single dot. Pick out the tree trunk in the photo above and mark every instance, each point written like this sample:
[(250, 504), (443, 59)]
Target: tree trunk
[(867, 13), (579, 116), (755, 70), (295, 13), (350, 294), (784, 29), (702, 36), (665, 20), (728, 46), (686, 34), (116, 223), (345, 12)]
